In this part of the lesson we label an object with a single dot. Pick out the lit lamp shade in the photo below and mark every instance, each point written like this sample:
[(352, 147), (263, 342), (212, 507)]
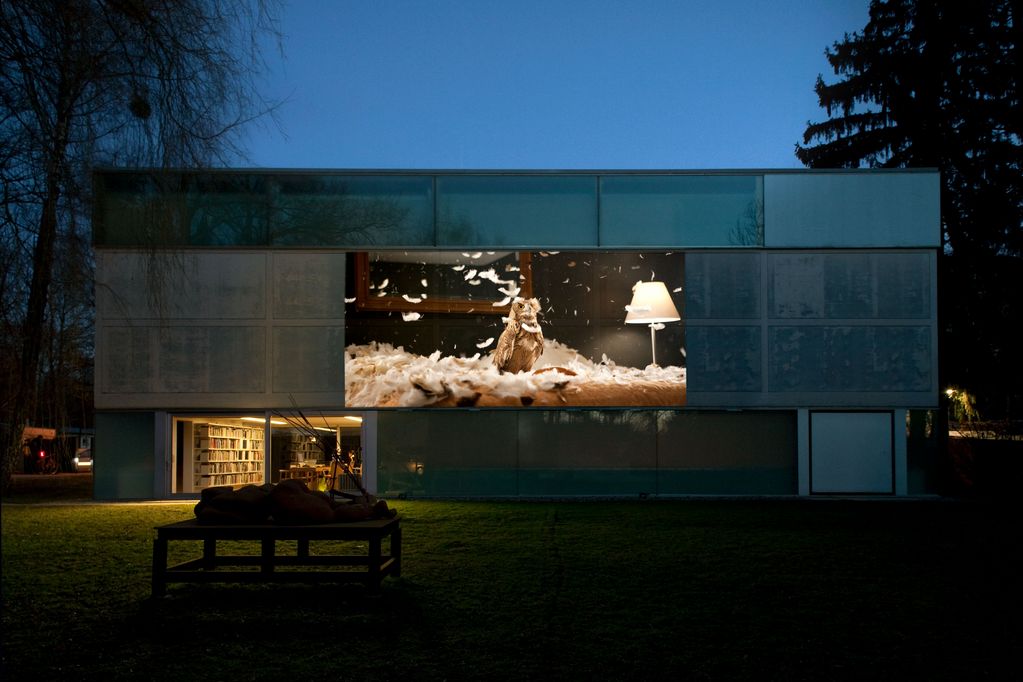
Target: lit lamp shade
[(651, 303)]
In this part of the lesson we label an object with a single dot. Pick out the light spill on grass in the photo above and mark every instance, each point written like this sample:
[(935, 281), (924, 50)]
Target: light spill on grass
[(508, 590)]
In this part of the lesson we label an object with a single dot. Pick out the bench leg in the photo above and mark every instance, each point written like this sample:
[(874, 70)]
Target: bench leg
[(269, 548), (209, 554), (159, 567), (303, 548), (396, 551), (373, 572)]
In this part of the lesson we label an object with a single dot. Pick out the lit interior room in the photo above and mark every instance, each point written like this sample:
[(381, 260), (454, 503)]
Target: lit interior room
[(441, 329), (212, 450)]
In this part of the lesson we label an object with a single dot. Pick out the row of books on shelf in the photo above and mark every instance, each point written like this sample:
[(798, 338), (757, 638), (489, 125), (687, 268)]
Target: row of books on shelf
[(204, 468), (228, 444), (206, 480), (226, 431), (229, 456)]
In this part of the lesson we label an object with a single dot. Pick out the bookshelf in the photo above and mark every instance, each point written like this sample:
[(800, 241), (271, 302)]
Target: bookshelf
[(303, 451), (226, 454)]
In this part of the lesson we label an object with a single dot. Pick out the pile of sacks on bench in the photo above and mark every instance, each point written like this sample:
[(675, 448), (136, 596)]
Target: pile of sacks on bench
[(288, 502)]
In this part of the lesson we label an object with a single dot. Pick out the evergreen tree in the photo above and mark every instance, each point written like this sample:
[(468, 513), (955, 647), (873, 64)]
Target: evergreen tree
[(935, 84)]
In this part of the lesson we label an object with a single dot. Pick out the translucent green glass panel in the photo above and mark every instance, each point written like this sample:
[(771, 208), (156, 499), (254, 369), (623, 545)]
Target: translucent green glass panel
[(226, 209), (133, 209), (539, 210), (345, 210), (690, 210), (125, 441), (587, 452), (718, 453), (458, 454), (208, 209), (855, 208), (513, 210)]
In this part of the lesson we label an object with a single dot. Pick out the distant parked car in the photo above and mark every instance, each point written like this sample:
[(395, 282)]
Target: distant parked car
[(82, 460)]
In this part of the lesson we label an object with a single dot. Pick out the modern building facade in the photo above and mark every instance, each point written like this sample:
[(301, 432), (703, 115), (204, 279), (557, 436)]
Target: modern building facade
[(802, 346)]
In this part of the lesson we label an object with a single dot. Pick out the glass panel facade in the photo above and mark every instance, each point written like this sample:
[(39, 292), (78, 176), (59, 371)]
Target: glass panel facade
[(421, 210), (343, 210), (539, 453), (523, 210), (690, 210)]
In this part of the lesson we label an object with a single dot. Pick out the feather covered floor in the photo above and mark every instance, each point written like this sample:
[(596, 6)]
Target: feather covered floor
[(380, 375)]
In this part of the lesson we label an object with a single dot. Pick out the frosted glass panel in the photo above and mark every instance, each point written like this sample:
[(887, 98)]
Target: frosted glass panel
[(851, 452)]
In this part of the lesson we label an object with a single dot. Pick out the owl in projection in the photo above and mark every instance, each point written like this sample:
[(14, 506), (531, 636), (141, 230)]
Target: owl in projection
[(521, 342)]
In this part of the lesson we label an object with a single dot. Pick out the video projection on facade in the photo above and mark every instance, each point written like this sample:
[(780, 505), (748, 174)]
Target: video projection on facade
[(516, 329)]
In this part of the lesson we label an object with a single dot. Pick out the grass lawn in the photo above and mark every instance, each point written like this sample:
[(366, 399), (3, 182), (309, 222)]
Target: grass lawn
[(565, 590)]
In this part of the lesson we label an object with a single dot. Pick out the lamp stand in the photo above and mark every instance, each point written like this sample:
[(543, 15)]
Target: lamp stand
[(653, 351)]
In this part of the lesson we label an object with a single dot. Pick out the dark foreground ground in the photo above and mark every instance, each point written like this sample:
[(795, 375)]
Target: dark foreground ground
[(694, 589), (31, 488)]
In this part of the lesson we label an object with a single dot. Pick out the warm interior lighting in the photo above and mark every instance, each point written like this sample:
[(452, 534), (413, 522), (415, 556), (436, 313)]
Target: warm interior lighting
[(276, 422), (651, 305), (357, 420)]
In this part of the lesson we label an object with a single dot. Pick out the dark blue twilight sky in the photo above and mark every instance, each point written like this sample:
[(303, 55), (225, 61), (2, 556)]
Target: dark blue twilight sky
[(555, 84)]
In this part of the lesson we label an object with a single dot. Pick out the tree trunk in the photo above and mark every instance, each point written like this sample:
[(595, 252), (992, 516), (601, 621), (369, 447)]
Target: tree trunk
[(33, 327)]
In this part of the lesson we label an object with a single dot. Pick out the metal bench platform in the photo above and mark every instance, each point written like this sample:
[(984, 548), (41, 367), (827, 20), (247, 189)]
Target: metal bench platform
[(332, 567)]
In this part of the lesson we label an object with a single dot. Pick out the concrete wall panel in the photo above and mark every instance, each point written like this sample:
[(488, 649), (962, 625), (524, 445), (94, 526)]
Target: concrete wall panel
[(831, 329), (722, 285), (308, 286), (208, 339), (860, 285), (309, 360), (723, 358), (181, 285)]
